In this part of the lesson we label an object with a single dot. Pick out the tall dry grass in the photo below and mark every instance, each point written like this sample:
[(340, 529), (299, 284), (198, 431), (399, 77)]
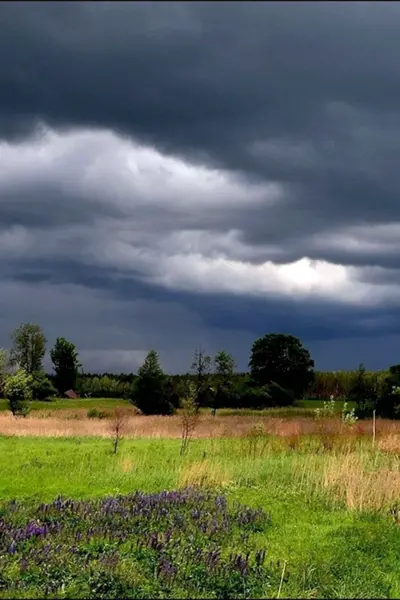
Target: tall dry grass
[(75, 423), (205, 473), (360, 486)]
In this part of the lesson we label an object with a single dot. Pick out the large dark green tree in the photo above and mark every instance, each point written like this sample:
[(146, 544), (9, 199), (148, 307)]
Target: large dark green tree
[(150, 392), (65, 364), (29, 347), (282, 360), (388, 401)]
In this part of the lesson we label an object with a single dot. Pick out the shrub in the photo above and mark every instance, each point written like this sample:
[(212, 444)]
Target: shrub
[(349, 417), (42, 388), (189, 417), (328, 409), (388, 403), (280, 396), (247, 394), (18, 390), (93, 413)]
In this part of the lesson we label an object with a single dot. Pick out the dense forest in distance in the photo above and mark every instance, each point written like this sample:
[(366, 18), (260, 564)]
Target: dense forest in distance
[(281, 371)]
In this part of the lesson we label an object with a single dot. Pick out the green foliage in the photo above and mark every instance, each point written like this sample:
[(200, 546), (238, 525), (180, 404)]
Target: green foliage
[(150, 393), (29, 347), (172, 393), (224, 371), (18, 390), (247, 394), (3, 369), (201, 367), (349, 416), (42, 388), (94, 413), (65, 364), (363, 393), (281, 359), (279, 396), (189, 416), (328, 409), (184, 543), (224, 365), (332, 552), (388, 403), (104, 386), (339, 383)]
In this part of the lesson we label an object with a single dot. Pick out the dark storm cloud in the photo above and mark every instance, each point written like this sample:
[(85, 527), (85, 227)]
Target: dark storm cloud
[(305, 94), (301, 94)]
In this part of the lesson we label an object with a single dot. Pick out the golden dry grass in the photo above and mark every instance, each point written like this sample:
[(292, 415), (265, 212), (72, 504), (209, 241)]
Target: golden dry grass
[(390, 444), (361, 488), (127, 465), (205, 473), (76, 423)]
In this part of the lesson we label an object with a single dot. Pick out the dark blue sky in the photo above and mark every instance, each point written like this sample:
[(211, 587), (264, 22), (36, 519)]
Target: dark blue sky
[(176, 175)]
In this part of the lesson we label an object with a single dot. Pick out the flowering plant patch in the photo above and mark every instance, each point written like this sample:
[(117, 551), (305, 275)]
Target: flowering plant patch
[(187, 543)]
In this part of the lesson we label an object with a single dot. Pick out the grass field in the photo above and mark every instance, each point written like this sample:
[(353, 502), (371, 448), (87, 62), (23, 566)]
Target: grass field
[(301, 407), (67, 404), (331, 497)]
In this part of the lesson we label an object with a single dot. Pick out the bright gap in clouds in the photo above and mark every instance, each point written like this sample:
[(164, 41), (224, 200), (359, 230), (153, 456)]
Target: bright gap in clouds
[(186, 243)]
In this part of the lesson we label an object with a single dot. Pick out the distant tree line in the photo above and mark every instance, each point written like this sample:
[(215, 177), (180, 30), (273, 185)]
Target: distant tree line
[(280, 371)]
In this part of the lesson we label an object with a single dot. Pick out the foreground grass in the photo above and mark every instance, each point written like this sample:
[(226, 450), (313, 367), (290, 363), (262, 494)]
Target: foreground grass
[(329, 509)]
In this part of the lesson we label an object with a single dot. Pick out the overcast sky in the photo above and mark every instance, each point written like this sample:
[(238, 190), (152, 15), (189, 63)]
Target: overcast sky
[(191, 175)]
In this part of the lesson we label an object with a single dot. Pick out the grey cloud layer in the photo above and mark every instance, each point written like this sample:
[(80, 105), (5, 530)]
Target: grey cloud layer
[(305, 95), (278, 122)]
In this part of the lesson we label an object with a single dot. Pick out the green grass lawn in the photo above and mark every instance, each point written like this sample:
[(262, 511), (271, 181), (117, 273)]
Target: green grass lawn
[(329, 551), (302, 408), (66, 404)]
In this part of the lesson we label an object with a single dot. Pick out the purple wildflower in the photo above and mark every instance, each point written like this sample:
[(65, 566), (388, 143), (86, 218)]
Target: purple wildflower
[(12, 548), (166, 569), (212, 559)]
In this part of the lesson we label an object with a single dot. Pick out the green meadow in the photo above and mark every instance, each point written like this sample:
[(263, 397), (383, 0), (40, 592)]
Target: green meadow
[(330, 534)]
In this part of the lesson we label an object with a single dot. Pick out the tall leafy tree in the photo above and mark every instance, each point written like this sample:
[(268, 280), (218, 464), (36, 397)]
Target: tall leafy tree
[(224, 370), (150, 392), (363, 393), (201, 367), (282, 360), (65, 364), (29, 347), (387, 403)]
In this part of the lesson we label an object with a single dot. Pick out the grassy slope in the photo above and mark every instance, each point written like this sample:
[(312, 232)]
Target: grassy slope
[(331, 552)]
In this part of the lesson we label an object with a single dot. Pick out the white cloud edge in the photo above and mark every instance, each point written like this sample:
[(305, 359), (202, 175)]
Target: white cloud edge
[(101, 167)]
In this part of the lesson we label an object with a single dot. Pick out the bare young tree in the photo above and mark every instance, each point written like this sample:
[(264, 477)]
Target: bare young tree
[(189, 417), (119, 421)]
